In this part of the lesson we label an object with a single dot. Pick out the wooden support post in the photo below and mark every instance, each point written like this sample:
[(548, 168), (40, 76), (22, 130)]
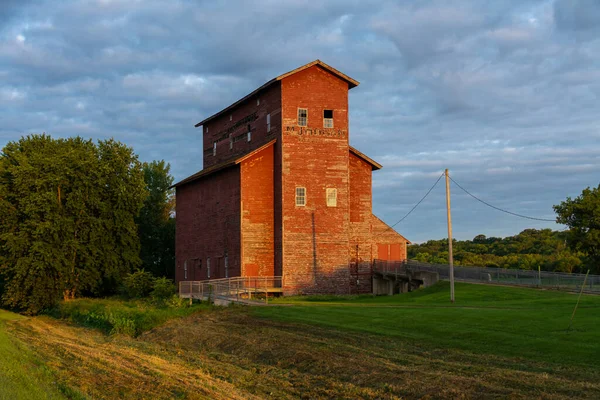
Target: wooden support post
[(450, 257)]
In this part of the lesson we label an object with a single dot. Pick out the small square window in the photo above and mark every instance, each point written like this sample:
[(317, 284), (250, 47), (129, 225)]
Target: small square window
[(268, 122), (258, 102), (327, 118), (302, 116), (230, 117), (300, 196), (331, 195)]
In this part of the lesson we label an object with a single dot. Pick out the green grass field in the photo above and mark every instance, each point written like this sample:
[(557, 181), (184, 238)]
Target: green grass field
[(22, 376), (507, 321), (494, 342)]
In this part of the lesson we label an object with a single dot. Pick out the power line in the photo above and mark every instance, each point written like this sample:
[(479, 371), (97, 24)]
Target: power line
[(498, 208), (416, 205)]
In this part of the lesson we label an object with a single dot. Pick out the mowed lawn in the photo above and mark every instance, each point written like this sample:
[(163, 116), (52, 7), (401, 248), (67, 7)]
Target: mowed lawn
[(505, 321), (22, 376), (495, 342)]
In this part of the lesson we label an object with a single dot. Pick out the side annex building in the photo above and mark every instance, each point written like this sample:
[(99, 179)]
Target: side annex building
[(282, 193)]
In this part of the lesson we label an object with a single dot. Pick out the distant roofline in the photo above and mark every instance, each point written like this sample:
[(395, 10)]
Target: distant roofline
[(351, 84)]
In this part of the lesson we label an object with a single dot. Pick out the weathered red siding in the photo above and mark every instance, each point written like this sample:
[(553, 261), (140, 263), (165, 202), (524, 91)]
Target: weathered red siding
[(390, 244), (208, 226), (258, 214), (222, 130)]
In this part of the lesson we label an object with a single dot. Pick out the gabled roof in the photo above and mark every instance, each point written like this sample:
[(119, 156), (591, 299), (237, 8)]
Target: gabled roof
[(351, 83), (221, 166), (384, 228), (374, 164)]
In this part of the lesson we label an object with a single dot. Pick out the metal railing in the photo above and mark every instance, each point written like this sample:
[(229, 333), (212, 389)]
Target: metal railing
[(237, 289), (502, 276)]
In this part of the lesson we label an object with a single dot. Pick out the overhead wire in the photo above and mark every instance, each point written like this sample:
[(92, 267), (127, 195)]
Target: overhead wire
[(416, 205), (498, 208)]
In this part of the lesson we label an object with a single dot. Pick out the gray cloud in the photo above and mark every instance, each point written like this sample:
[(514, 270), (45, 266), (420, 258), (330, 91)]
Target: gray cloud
[(504, 94), (577, 15)]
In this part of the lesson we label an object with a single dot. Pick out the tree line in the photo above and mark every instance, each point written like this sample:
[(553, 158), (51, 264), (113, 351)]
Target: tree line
[(530, 249), (77, 216), (576, 249)]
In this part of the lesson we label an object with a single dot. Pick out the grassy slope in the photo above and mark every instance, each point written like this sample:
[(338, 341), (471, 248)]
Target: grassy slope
[(114, 315), (361, 348), (504, 321), (21, 377)]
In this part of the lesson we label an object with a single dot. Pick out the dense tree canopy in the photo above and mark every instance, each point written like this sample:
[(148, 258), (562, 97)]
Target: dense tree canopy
[(529, 249), (67, 209), (156, 223), (582, 216)]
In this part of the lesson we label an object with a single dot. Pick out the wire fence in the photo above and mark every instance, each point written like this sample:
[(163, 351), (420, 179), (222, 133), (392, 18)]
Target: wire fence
[(499, 276)]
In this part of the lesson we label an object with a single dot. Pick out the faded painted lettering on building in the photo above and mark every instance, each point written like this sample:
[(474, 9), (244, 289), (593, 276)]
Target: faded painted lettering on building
[(307, 131)]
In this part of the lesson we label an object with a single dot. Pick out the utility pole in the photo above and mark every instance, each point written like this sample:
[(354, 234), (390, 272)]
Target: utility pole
[(450, 257)]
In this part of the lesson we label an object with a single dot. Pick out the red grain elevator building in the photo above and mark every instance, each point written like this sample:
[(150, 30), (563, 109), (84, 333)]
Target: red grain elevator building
[(282, 193)]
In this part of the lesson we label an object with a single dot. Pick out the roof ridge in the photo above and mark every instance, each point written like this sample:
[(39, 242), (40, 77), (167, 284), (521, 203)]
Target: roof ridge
[(351, 83)]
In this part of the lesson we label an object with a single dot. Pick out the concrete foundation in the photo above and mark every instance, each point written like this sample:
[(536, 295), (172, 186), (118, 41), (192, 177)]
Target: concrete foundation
[(390, 284)]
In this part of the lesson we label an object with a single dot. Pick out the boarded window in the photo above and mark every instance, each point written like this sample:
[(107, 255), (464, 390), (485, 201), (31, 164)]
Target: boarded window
[(302, 116), (300, 196), (331, 195), (327, 118)]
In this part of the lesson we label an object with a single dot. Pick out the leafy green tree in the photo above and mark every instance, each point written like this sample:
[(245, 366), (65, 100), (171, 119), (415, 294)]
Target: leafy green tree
[(582, 216), (156, 224), (67, 209)]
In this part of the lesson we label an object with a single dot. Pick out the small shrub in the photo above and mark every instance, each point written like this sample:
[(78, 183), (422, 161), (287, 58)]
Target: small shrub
[(177, 302), (122, 324), (163, 289), (138, 284)]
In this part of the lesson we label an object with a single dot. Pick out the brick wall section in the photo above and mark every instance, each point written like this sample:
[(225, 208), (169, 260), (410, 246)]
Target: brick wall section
[(208, 225), (219, 128), (257, 233), (315, 237), (360, 247)]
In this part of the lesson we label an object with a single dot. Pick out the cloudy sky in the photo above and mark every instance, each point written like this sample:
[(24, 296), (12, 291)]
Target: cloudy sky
[(505, 94)]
